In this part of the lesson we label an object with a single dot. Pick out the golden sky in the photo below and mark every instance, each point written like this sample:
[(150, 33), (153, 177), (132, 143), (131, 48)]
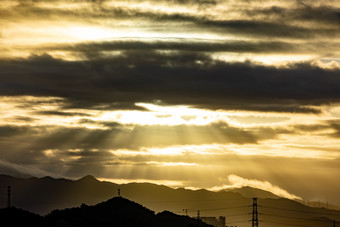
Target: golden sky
[(188, 93)]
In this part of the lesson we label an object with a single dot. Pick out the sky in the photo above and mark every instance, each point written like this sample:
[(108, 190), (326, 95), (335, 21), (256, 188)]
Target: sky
[(210, 94)]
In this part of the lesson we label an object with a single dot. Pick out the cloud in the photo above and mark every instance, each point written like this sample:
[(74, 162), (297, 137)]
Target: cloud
[(185, 78), (335, 125), (61, 113), (10, 131), (317, 14), (95, 56), (181, 10), (183, 45), (326, 127), (16, 139), (238, 182), (251, 20)]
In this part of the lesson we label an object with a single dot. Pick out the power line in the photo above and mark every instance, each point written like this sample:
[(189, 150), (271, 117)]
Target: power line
[(235, 215), (224, 208), (271, 222), (211, 209), (304, 219), (237, 222), (201, 200), (302, 211)]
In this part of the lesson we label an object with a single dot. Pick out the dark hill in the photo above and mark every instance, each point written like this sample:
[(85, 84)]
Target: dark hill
[(18, 217), (117, 212), (168, 219)]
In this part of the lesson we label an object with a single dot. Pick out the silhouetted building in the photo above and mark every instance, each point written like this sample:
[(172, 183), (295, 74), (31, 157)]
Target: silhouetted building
[(217, 222)]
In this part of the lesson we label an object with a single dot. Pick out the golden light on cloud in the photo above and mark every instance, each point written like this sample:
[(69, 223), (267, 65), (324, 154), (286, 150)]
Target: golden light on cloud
[(157, 7), (276, 148), (163, 115), (36, 112), (239, 182), (283, 60), (61, 30)]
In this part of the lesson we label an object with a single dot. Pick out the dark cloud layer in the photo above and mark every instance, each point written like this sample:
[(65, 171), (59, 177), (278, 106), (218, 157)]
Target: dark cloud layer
[(194, 45), (60, 113), (184, 78), (317, 14), (335, 125), (332, 128)]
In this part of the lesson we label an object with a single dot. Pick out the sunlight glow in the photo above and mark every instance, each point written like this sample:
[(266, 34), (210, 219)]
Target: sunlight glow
[(89, 33), (34, 111)]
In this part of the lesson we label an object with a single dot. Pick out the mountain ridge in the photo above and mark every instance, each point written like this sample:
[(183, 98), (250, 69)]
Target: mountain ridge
[(42, 195)]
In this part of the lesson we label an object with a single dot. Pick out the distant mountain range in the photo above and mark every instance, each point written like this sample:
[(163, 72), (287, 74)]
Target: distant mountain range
[(42, 195)]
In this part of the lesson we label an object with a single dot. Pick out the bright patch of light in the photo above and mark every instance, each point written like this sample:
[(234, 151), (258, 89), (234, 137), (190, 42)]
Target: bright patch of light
[(281, 148), (50, 152), (177, 150), (83, 33), (164, 115), (170, 163), (264, 59)]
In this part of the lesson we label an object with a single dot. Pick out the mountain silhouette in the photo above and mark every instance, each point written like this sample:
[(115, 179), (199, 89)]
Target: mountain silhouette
[(42, 195), (118, 211), (18, 217)]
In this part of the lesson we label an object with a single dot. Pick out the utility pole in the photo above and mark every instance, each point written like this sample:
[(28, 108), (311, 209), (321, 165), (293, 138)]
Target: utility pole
[(186, 211), (255, 220), (119, 192), (8, 196), (198, 215)]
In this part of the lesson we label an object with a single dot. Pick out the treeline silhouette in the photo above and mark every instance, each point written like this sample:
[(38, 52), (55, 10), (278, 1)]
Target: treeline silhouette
[(118, 212)]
